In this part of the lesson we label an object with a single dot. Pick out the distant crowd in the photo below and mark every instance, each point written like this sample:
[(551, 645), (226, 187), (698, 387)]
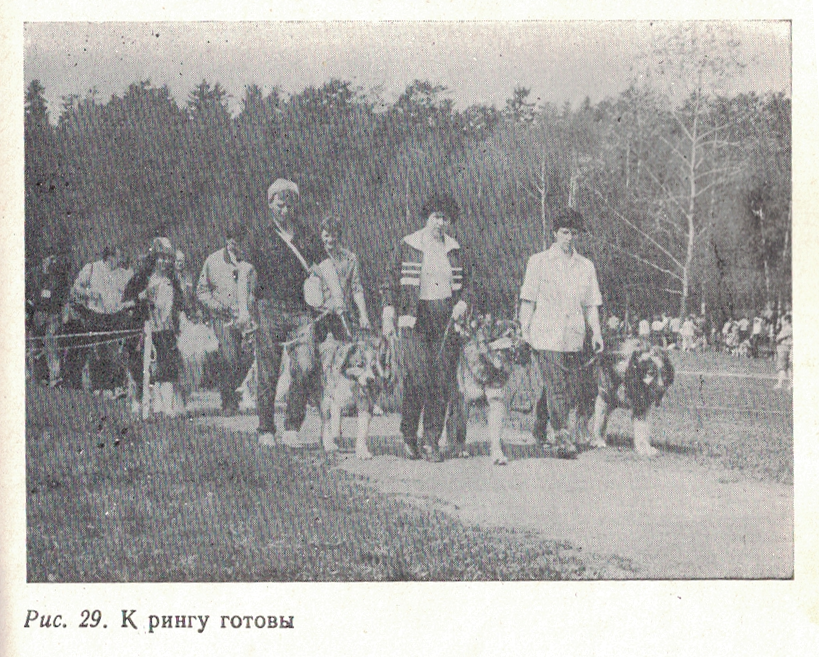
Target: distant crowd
[(767, 335)]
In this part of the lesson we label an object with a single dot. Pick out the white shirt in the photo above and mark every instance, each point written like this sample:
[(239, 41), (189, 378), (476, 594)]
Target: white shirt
[(99, 286), (436, 270), (561, 287)]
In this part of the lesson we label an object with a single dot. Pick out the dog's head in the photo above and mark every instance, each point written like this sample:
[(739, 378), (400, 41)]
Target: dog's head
[(367, 361), (648, 374), (490, 350)]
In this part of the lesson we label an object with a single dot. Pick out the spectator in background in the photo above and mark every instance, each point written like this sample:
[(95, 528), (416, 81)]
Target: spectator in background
[(757, 330), (744, 325), (687, 333), (560, 301), (224, 306), (784, 354), (97, 299), (675, 323), (47, 293), (157, 284), (644, 329)]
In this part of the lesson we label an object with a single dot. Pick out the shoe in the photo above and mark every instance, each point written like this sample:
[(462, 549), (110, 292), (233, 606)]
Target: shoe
[(433, 454), (411, 451), (268, 439), (290, 437), (598, 443)]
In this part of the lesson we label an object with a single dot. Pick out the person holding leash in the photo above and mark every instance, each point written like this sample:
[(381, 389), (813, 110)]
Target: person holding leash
[(427, 291), (560, 299), (285, 255), (341, 286)]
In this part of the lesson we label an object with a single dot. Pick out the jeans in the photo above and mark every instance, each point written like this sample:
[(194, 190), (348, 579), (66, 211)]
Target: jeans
[(560, 371), (277, 324)]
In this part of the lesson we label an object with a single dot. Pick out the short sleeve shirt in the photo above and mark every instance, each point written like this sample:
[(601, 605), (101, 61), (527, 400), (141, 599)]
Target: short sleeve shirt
[(561, 288)]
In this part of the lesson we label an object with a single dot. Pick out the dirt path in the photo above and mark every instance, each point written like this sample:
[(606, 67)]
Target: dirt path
[(668, 517)]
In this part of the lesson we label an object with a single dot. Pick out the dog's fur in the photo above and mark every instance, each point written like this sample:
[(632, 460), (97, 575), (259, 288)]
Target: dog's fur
[(354, 373), (633, 375), (484, 368)]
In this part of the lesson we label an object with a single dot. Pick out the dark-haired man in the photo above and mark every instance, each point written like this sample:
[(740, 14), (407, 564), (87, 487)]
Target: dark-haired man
[(426, 294), (560, 299)]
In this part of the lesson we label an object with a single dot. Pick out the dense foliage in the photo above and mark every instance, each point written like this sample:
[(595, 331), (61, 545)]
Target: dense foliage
[(685, 201)]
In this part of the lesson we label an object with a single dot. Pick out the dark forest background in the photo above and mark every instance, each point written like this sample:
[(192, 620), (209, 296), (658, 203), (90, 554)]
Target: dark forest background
[(687, 199)]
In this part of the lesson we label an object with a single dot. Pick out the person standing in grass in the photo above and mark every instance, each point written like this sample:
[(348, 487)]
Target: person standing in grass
[(560, 300), (284, 253), (784, 354), (427, 291)]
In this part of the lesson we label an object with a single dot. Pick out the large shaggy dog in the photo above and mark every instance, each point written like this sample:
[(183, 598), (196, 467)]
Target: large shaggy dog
[(633, 375), (354, 373), (484, 368)]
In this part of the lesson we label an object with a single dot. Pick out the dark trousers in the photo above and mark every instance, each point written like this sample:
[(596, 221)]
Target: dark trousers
[(234, 362), (560, 371), (430, 376), (105, 363), (276, 325)]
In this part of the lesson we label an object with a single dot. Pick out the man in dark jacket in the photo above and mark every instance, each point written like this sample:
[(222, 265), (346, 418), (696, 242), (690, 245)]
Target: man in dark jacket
[(283, 253), (426, 295)]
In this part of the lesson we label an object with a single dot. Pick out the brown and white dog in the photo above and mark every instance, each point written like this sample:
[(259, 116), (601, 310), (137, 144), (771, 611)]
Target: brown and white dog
[(484, 368), (633, 375), (354, 373)]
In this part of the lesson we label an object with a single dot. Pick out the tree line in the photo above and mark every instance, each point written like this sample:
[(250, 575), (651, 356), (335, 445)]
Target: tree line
[(687, 200)]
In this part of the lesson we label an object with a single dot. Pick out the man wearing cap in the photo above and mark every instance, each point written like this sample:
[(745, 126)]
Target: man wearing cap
[(427, 293), (283, 253), (560, 298), (218, 292)]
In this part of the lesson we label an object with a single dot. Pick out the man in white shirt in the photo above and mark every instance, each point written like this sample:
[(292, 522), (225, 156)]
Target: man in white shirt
[(560, 298), (97, 297)]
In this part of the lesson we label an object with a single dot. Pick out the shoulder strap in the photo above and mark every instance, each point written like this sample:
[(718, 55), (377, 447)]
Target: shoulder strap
[(294, 249)]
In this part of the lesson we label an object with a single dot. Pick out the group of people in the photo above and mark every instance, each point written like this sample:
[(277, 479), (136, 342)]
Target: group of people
[(276, 285)]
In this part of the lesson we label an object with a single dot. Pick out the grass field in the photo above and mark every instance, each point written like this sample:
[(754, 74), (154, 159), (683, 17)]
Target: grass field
[(113, 499)]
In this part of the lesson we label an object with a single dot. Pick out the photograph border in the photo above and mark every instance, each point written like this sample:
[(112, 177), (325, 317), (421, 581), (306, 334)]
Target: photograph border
[(660, 617)]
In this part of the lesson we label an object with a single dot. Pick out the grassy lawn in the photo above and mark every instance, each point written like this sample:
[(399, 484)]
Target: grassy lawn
[(112, 499), (721, 411)]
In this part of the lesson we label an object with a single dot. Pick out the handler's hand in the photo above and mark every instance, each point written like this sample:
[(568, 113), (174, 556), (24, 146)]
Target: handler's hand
[(388, 322), (459, 310), (597, 341), (364, 322)]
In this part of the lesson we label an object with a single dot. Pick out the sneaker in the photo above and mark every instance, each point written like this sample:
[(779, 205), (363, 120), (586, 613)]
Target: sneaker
[(433, 454), (268, 439), (598, 443)]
